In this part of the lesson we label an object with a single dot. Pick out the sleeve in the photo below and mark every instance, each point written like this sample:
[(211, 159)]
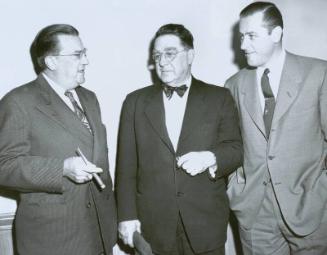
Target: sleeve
[(228, 148), (18, 169), (323, 105), (126, 171)]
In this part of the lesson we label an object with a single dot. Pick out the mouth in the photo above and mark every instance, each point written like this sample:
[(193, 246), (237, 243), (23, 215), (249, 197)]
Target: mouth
[(248, 53)]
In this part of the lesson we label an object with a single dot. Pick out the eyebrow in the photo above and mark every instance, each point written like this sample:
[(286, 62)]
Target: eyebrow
[(166, 49), (248, 33)]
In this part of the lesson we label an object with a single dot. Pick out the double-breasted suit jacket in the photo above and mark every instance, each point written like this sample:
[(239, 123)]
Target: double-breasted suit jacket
[(37, 132)]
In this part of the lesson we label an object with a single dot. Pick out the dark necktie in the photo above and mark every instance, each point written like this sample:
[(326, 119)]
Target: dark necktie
[(78, 110), (269, 101), (169, 90)]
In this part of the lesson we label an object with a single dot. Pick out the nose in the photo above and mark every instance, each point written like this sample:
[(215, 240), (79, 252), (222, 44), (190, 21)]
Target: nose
[(163, 61), (244, 43), (85, 60)]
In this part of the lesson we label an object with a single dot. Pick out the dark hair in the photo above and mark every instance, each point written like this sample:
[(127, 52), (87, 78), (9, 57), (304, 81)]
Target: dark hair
[(271, 15), (179, 30), (46, 43)]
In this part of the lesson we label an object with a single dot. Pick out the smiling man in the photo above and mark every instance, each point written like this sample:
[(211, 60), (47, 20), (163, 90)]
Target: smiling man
[(177, 141), (61, 210), (279, 195)]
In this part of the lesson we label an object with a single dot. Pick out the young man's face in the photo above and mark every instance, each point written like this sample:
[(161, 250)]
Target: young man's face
[(256, 41), (172, 60)]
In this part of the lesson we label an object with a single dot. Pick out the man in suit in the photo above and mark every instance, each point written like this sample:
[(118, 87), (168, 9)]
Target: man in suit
[(42, 123), (279, 195), (177, 139)]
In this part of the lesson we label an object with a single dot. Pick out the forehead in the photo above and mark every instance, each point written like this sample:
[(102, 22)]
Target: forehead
[(69, 43), (252, 23), (166, 42)]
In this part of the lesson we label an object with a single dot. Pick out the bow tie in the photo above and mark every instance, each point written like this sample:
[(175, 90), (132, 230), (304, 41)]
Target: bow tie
[(169, 90)]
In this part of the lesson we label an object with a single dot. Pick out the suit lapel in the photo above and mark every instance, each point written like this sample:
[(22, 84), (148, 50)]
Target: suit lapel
[(193, 111), (94, 120), (54, 108), (251, 99), (289, 86), (155, 113)]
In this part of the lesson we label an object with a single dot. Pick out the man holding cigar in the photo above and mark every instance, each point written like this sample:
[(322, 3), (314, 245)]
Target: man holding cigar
[(52, 146)]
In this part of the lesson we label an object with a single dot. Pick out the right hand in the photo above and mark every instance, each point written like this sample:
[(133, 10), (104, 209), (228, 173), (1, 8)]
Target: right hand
[(126, 230), (77, 171)]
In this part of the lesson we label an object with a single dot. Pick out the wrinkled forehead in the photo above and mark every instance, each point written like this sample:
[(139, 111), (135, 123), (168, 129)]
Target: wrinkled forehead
[(168, 42)]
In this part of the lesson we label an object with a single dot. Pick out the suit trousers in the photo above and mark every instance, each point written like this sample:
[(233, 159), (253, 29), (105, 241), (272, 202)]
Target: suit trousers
[(271, 235), (182, 244)]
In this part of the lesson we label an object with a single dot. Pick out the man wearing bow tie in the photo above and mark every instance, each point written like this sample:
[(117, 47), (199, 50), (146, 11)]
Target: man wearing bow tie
[(177, 140)]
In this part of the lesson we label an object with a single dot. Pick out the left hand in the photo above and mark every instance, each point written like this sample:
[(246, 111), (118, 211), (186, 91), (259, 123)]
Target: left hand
[(196, 162)]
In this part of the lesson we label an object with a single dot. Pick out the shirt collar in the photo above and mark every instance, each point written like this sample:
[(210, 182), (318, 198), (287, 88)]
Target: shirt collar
[(275, 65), (55, 86)]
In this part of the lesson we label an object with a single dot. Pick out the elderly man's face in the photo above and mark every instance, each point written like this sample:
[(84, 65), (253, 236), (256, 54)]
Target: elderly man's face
[(172, 60), (70, 62)]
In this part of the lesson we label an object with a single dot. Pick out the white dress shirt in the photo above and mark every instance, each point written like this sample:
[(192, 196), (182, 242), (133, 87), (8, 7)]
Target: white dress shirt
[(61, 93), (174, 113), (275, 66)]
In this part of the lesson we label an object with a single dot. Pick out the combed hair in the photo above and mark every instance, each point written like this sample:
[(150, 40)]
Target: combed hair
[(272, 17), (46, 43), (178, 30)]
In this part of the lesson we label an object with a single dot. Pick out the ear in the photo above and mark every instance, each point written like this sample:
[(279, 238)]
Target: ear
[(276, 34), (50, 62), (190, 56)]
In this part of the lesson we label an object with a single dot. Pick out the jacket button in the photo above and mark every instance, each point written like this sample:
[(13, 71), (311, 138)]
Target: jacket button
[(271, 157), (88, 205), (179, 194)]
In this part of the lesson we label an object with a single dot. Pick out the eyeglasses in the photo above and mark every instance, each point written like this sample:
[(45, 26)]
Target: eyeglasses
[(78, 54), (169, 55)]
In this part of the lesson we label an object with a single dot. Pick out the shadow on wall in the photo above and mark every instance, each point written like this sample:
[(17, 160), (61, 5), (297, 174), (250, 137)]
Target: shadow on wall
[(239, 58)]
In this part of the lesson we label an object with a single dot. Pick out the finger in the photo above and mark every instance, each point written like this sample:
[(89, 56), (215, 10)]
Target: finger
[(97, 170), (182, 159), (130, 241)]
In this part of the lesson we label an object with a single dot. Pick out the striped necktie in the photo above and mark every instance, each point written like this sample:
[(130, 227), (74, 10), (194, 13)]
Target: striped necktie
[(78, 110)]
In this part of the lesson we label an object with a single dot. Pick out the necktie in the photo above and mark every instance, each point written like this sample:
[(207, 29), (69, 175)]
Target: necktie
[(269, 101), (77, 109), (169, 90)]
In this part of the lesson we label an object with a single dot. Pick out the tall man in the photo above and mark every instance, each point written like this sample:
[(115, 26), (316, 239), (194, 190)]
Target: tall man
[(177, 139), (279, 196), (42, 123)]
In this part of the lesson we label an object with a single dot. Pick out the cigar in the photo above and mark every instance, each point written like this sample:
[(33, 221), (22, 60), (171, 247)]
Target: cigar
[(96, 177)]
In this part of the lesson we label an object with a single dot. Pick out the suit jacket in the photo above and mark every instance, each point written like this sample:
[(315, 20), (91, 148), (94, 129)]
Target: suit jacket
[(152, 189), (55, 216), (294, 154)]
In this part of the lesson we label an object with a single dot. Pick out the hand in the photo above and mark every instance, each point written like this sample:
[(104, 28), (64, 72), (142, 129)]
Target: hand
[(197, 162), (76, 169), (126, 230)]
